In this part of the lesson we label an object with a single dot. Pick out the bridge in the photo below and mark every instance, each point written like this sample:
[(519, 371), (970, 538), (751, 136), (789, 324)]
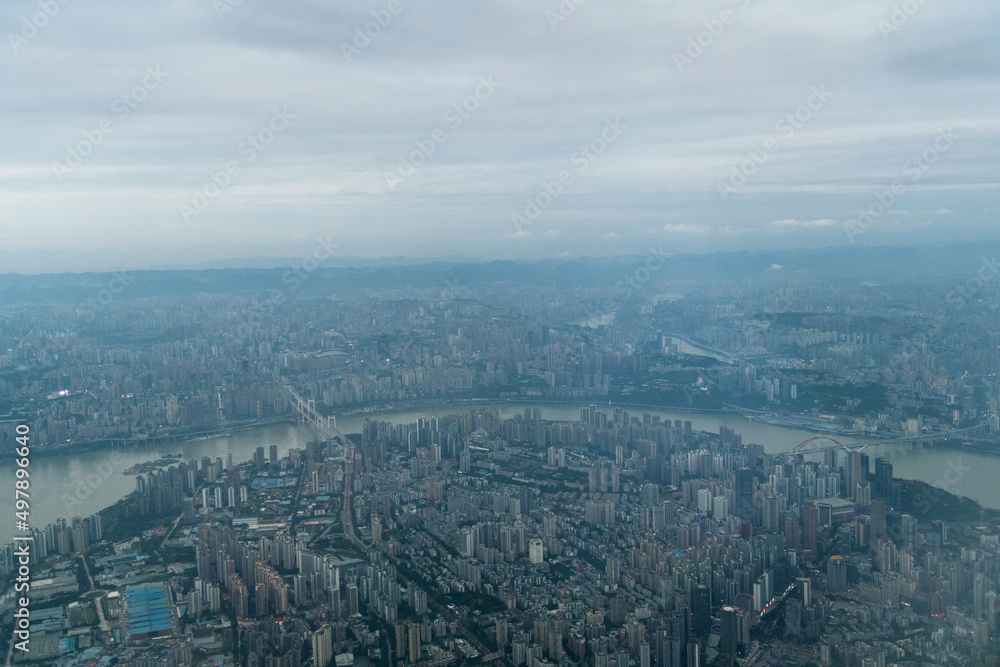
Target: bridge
[(326, 427), (861, 446)]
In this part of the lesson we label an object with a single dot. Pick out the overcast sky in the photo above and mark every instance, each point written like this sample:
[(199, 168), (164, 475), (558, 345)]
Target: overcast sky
[(736, 124)]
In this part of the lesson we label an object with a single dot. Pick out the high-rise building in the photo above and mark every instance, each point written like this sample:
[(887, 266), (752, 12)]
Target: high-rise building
[(863, 494), (701, 609), (501, 628), (400, 628), (413, 642), (836, 573), (729, 642), (883, 476), (693, 655), (853, 474), (743, 494), (96, 528), (704, 501), (352, 599), (805, 586), (612, 568), (81, 536), (810, 526), (322, 646)]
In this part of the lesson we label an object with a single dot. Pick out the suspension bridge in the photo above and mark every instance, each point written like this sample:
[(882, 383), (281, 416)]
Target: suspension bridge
[(326, 427)]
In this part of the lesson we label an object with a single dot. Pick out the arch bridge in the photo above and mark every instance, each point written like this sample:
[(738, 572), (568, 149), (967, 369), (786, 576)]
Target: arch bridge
[(861, 446)]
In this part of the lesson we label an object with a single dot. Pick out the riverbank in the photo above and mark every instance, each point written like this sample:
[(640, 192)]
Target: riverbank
[(131, 444), (971, 474), (150, 466), (602, 404), (926, 502)]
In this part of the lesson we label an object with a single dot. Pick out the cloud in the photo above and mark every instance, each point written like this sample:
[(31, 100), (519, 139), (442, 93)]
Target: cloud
[(684, 229), (392, 103), (731, 230), (789, 224)]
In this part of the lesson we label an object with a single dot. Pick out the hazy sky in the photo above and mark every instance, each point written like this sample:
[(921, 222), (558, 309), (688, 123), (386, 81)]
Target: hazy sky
[(686, 125)]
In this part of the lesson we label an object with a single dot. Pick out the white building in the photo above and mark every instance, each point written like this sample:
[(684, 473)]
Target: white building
[(536, 552)]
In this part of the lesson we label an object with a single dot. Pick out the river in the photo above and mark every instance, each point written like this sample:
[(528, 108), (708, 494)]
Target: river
[(82, 484)]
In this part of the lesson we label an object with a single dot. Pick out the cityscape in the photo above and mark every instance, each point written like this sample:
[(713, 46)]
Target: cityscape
[(569, 333), (543, 509)]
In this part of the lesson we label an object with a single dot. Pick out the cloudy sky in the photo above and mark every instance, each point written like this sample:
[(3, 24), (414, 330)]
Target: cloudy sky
[(152, 133)]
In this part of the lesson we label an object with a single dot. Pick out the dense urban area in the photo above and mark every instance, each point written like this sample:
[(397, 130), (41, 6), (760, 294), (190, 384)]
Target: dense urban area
[(615, 539)]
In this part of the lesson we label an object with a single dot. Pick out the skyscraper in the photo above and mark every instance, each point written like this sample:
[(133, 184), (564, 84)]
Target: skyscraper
[(883, 476), (730, 630), (853, 473), (810, 526), (701, 608), (744, 494)]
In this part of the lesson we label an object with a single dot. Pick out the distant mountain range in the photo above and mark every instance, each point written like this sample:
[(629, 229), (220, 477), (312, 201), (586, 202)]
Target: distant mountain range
[(928, 264)]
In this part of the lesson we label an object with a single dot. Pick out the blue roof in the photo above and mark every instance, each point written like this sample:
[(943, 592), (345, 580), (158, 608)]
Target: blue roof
[(148, 611)]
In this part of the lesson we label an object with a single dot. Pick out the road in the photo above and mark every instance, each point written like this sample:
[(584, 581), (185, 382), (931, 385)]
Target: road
[(171, 531), (105, 627)]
